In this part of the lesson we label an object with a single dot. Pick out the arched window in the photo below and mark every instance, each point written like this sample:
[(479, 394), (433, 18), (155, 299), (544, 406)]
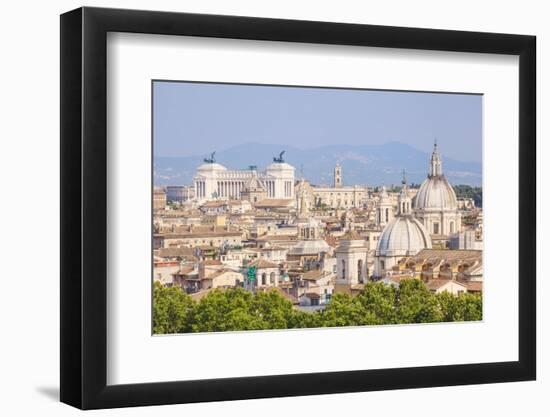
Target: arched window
[(360, 270), (272, 278), (264, 279), (387, 215)]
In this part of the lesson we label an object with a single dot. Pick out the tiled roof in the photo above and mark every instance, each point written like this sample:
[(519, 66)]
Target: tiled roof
[(314, 275), (262, 263), (435, 284), (274, 202)]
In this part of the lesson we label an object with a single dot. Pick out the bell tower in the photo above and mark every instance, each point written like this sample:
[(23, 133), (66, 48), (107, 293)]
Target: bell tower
[(404, 198), (338, 176), (384, 208)]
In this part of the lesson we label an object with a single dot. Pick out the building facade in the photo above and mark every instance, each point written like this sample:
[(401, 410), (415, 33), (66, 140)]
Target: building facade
[(159, 198), (214, 181)]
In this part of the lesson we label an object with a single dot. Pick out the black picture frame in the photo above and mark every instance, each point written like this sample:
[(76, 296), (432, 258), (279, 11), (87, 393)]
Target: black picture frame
[(84, 207)]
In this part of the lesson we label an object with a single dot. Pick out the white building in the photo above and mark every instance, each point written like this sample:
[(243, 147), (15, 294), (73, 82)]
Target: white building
[(384, 208), (213, 181), (468, 239), (351, 260), (179, 193), (435, 204), (402, 236)]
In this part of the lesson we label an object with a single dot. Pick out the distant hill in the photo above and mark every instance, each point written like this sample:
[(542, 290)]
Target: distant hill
[(361, 164)]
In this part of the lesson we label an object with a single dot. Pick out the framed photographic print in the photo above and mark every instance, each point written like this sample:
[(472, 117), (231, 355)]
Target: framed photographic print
[(258, 208)]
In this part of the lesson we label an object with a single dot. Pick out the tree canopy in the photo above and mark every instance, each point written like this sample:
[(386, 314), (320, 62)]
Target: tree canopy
[(467, 191), (236, 309)]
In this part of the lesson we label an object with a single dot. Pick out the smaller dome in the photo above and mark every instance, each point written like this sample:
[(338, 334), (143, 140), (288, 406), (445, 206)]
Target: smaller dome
[(435, 193), (403, 236)]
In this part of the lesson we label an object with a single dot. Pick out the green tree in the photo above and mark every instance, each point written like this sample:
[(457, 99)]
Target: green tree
[(172, 310), (343, 310), (467, 191), (274, 311), (303, 320), (464, 307), (225, 310), (379, 300), (416, 304)]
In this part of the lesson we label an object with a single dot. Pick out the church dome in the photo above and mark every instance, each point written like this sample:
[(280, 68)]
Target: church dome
[(403, 236), (435, 193)]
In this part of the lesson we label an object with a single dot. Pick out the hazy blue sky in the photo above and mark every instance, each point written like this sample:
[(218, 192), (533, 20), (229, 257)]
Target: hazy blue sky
[(197, 118)]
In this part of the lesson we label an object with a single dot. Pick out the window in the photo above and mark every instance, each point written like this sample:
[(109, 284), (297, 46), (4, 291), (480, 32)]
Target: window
[(360, 270), (452, 227), (343, 268), (264, 279), (436, 228)]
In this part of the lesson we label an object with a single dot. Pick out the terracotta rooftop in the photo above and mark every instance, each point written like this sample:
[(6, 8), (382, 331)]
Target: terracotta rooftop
[(435, 284), (262, 263), (314, 275), (274, 202)]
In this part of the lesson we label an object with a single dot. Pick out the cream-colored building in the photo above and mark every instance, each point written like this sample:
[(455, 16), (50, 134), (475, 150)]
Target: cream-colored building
[(214, 181), (159, 198), (336, 197), (438, 286), (435, 204), (163, 270), (191, 238), (351, 262), (223, 278), (384, 208)]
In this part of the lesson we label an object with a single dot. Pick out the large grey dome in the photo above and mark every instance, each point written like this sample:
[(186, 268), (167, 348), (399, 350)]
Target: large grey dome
[(435, 193), (403, 236)]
